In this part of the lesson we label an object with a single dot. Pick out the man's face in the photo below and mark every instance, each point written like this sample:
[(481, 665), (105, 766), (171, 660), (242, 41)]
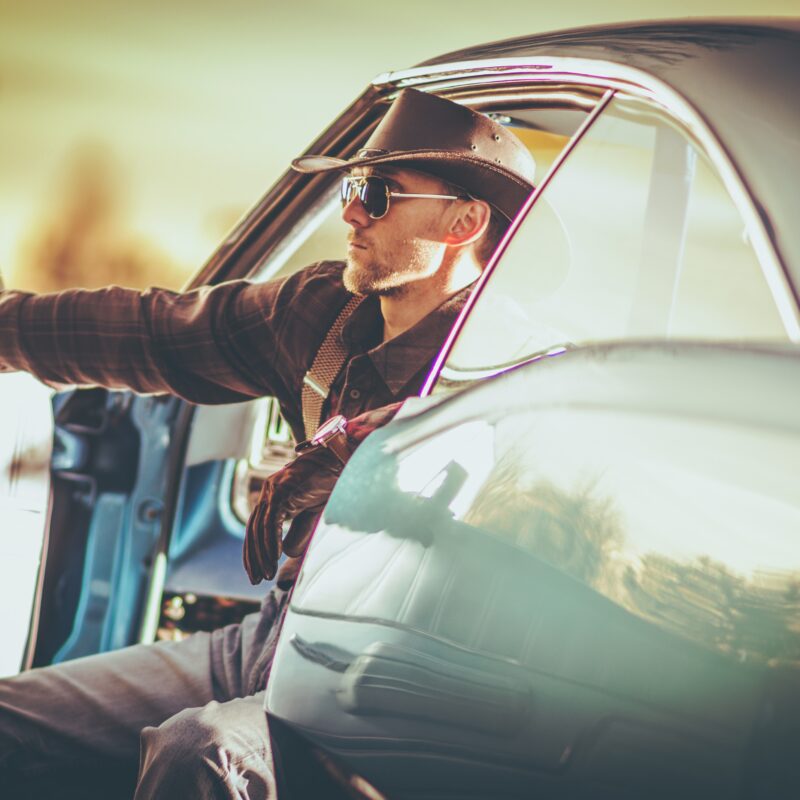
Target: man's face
[(386, 255)]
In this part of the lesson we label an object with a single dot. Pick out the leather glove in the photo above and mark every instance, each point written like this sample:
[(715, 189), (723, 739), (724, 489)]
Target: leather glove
[(299, 492)]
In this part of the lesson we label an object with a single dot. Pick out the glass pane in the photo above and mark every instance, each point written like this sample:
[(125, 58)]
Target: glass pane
[(720, 292), (543, 120), (634, 237)]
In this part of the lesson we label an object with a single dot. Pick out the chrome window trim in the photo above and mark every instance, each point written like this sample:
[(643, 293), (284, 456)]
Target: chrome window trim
[(642, 85)]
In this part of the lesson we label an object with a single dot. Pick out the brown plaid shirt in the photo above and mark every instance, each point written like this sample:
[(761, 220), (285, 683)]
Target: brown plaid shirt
[(222, 344)]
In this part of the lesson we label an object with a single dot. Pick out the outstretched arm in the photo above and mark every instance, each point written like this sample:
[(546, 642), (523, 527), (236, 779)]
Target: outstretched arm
[(219, 344), (151, 342)]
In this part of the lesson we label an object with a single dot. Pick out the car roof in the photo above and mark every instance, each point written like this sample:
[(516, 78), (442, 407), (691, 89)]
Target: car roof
[(739, 75)]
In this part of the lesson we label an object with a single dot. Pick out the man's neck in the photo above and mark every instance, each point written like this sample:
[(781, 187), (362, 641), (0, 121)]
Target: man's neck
[(405, 307)]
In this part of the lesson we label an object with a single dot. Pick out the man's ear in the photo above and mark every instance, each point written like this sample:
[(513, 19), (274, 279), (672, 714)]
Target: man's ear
[(469, 222)]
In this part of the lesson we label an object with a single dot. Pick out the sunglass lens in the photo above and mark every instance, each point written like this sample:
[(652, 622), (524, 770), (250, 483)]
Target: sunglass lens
[(347, 191), (375, 197), (371, 192)]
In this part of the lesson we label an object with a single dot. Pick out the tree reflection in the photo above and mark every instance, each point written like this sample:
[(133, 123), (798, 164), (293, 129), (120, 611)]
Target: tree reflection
[(756, 619), (576, 532), (580, 531)]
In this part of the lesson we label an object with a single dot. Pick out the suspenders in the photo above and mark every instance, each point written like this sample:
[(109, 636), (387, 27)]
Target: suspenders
[(328, 362)]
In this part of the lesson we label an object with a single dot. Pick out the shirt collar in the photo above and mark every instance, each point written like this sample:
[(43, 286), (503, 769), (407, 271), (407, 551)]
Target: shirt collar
[(400, 359)]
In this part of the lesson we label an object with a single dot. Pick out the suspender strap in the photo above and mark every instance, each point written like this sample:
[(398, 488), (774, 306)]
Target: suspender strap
[(328, 362)]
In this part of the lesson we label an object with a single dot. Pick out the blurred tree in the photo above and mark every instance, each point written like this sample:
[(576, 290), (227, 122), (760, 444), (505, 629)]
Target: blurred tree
[(83, 239)]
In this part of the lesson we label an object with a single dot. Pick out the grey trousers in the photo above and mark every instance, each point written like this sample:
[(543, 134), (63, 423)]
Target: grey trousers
[(168, 720)]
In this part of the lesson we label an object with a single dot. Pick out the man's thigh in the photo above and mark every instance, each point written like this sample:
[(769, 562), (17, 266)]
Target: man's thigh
[(90, 711)]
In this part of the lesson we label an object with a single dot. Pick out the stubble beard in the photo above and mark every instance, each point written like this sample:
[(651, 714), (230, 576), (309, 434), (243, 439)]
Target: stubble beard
[(370, 276), (372, 279)]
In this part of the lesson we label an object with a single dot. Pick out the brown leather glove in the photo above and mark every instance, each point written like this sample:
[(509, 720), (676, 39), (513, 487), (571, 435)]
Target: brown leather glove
[(299, 492)]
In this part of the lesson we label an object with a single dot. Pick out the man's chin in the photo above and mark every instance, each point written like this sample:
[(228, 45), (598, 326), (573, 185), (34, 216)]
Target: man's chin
[(359, 279), (353, 278)]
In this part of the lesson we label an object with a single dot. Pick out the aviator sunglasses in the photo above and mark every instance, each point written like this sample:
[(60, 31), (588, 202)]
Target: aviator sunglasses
[(374, 194)]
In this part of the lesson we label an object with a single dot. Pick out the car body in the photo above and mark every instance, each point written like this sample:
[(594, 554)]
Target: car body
[(576, 579), (639, 323)]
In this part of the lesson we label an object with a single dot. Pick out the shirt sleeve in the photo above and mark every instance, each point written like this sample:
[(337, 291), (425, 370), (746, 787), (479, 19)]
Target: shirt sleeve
[(210, 345)]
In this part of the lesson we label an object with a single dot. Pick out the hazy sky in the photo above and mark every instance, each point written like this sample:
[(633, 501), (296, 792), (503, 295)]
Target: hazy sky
[(202, 104)]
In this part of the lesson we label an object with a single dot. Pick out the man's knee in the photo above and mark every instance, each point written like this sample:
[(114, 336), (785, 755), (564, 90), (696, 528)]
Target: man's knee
[(207, 749), (185, 738)]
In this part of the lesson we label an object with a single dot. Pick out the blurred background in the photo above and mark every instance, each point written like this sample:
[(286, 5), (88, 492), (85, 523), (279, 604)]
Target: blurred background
[(133, 135)]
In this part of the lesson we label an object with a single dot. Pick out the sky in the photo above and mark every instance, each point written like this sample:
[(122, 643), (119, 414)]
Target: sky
[(198, 107)]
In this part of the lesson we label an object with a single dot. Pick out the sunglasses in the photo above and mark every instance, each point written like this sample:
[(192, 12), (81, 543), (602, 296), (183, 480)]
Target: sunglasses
[(374, 194)]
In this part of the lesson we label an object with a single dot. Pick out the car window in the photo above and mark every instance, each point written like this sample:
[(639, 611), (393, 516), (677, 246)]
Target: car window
[(635, 237), (544, 119), (321, 234)]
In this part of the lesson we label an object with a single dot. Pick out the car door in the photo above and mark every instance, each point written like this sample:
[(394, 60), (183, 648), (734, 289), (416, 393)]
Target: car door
[(576, 579), (447, 661)]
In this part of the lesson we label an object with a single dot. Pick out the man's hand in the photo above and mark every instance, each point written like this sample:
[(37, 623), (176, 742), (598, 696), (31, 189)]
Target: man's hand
[(299, 492)]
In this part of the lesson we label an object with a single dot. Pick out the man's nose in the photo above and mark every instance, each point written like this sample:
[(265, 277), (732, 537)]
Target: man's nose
[(355, 215)]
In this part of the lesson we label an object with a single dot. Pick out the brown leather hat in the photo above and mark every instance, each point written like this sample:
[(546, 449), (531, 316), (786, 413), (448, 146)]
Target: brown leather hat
[(442, 138)]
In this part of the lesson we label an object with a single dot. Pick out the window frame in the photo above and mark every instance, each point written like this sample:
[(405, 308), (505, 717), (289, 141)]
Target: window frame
[(614, 79)]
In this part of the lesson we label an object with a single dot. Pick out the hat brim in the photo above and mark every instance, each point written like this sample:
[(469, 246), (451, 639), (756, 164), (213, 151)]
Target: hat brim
[(469, 172)]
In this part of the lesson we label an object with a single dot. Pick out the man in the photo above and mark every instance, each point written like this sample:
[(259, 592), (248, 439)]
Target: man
[(426, 200)]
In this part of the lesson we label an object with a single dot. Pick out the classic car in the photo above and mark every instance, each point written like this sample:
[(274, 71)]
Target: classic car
[(572, 562)]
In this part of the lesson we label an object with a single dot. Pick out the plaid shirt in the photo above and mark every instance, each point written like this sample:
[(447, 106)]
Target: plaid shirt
[(222, 344)]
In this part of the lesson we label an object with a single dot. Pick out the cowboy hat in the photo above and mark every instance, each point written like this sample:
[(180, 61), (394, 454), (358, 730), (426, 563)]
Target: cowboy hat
[(449, 141)]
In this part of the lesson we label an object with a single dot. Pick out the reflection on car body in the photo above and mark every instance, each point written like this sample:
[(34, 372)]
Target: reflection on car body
[(611, 605), (577, 576)]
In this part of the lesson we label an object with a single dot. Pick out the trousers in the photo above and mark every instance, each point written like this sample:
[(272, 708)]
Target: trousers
[(167, 720)]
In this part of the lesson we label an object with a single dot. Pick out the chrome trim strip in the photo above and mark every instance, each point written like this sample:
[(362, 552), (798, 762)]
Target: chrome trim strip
[(441, 358), (643, 85), (460, 377)]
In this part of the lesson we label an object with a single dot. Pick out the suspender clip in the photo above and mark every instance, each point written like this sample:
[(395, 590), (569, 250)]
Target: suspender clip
[(312, 384)]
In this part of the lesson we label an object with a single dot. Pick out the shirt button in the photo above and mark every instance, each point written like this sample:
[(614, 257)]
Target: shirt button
[(355, 394)]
